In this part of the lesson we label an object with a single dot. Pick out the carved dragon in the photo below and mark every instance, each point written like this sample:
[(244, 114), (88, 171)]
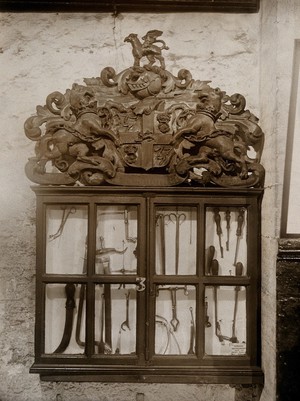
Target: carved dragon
[(147, 48)]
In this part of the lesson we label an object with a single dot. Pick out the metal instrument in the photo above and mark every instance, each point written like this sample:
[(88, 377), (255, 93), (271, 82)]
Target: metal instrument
[(102, 250), (82, 295), (79, 316), (215, 272), (161, 219), (164, 219), (118, 347), (207, 322), (209, 258), (125, 324), (227, 218), (170, 333), (192, 334), (64, 219), (238, 272), (240, 222), (107, 314), (101, 345), (217, 219), (104, 346), (70, 306), (81, 302), (178, 219), (126, 222), (174, 321), (123, 270)]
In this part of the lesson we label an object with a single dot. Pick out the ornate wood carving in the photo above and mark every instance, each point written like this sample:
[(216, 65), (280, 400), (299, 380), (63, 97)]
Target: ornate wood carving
[(145, 127)]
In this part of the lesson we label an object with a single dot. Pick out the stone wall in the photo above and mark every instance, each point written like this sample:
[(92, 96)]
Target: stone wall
[(279, 28), (41, 53)]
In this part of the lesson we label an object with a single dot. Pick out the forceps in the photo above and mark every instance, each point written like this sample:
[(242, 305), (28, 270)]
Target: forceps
[(163, 219), (177, 219), (64, 218), (126, 321)]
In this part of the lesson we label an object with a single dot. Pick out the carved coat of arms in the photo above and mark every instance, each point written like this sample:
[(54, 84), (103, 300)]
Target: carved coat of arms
[(145, 127)]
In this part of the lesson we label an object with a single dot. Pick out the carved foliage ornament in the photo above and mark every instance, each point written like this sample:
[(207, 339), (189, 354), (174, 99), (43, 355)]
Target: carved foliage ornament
[(145, 127)]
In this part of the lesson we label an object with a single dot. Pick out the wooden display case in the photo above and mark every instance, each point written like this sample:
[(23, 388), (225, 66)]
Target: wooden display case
[(148, 228), (141, 285)]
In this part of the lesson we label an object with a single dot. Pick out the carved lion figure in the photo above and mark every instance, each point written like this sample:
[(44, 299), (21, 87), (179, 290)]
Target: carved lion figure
[(200, 142), (75, 139)]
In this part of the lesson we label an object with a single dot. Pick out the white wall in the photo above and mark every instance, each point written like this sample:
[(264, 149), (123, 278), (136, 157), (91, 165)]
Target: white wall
[(41, 53)]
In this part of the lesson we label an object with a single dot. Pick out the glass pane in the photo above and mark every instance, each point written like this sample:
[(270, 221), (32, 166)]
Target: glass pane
[(176, 240), (226, 241), (66, 239), (115, 319), (65, 318), (116, 240), (225, 333), (175, 320)]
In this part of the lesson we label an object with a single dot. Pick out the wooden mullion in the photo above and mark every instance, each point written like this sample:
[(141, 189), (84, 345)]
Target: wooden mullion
[(40, 288), (90, 287), (200, 289)]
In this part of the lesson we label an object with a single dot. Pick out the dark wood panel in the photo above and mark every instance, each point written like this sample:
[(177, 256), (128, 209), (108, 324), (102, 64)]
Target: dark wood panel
[(234, 6)]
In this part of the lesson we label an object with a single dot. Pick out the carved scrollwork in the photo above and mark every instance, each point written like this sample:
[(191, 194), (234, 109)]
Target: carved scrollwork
[(145, 127), (184, 78), (237, 104), (108, 76), (58, 99)]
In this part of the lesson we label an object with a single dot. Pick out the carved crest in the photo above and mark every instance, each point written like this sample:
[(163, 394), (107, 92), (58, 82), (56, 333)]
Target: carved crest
[(145, 127)]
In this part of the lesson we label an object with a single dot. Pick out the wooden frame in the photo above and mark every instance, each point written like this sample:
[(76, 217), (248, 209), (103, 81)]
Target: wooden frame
[(290, 222), (199, 368), (231, 6)]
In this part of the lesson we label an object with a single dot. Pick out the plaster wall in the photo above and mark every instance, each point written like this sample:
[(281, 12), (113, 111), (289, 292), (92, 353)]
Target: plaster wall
[(40, 53)]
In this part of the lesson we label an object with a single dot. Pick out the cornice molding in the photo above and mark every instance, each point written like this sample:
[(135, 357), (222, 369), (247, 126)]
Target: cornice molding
[(117, 6)]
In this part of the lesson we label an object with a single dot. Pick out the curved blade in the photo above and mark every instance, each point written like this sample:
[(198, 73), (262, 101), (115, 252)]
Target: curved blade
[(79, 316), (70, 305)]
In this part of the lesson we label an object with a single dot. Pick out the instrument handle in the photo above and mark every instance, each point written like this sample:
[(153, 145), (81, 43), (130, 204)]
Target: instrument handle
[(214, 267), (217, 218), (240, 222)]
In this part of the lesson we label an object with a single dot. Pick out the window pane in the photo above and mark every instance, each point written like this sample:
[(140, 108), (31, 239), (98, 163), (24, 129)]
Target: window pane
[(175, 320), (226, 241), (115, 319), (65, 318), (176, 240), (66, 239), (226, 313), (116, 240)]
